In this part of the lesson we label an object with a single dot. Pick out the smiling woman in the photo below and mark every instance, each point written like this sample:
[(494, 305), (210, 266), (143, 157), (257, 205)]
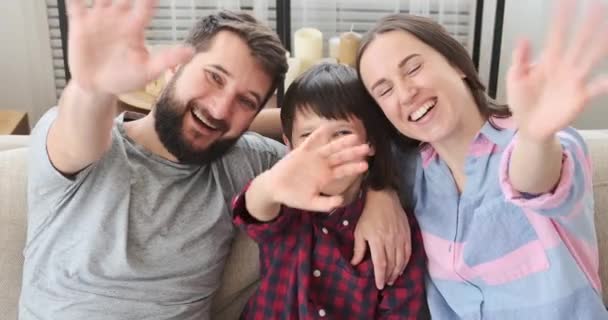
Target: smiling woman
[(424, 65), (506, 211)]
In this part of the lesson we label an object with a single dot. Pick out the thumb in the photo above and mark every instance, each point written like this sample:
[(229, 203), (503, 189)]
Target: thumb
[(359, 250), (324, 203), (168, 58)]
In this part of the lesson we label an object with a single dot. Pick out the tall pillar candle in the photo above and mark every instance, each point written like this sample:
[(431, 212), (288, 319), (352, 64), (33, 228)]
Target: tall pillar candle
[(334, 48), (308, 47), (295, 68), (349, 44)]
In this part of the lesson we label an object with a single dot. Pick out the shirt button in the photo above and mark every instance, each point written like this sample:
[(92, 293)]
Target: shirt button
[(316, 273), (322, 313), (324, 230), (345, 223)]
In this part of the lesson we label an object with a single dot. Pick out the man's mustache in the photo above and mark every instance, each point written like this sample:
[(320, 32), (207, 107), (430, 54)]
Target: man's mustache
[(221, 125)]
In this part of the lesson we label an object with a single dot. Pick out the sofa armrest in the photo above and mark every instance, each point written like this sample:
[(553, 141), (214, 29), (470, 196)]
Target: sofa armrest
[(241, 273), (8, 142), (237, 304)]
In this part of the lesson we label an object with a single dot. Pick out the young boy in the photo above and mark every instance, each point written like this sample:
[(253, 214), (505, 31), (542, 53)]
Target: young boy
[(305, 255)]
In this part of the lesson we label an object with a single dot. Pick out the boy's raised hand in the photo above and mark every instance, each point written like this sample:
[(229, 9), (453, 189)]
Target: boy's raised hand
[(106, 46), (297, 180)]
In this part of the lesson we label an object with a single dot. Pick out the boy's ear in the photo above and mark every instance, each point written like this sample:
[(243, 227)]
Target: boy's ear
[(372, 150), (286, 142)]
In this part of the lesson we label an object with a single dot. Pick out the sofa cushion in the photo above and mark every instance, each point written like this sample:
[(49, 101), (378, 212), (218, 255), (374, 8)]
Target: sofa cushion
[(242, 269), (240, 277), (13, 142), (598, 147), (13, 221)]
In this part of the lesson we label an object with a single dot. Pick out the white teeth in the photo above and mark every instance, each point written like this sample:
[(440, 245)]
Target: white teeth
[(416, 115), (202, 118)]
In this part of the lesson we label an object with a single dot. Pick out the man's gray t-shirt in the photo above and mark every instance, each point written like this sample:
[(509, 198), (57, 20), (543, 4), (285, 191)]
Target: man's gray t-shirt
[(133, 236)]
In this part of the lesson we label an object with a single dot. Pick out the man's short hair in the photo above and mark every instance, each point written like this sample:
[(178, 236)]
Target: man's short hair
[(264, 44)]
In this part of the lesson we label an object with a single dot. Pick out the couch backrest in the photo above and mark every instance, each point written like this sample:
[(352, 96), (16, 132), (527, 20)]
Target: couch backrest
[(598, 148), (8, 142), (13, 207), (242, 268)]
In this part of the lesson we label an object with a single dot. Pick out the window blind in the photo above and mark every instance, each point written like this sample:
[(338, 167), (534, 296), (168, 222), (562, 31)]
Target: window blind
[(173, 18)]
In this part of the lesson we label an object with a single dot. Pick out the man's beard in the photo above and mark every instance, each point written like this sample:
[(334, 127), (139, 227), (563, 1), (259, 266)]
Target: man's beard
[(169, 122)]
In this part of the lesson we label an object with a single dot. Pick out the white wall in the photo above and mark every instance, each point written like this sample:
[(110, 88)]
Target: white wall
[(26, 73), (487, 32), (531, 18)]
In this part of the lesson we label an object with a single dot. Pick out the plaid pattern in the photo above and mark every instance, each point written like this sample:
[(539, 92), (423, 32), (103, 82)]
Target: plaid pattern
[(306, 270)]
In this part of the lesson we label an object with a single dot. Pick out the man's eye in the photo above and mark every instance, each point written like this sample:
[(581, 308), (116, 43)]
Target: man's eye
[(215, 77), (304, 135)]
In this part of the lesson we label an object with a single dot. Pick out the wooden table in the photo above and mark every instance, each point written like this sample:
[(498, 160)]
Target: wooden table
[(142, 102), (265, 124), (138, 101), (14, 122)]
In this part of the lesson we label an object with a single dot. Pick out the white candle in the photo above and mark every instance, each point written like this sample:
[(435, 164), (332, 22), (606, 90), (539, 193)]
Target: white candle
[(349, 44), (334, 47), (308, 46), (293, 71)]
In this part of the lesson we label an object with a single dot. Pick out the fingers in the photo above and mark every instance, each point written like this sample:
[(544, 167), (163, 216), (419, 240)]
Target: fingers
[(325, 203), (557, 29), (407, 254), (582, 41), (380, 263), (123, 4), (598, 87), (168, 58), (143, 11), (349, 169), (359, 250), (595, 54), (391, 259), (520, 61), (340, 144), (76, 9), (321, 136), (400, 254), (100, 4), (355, 153)]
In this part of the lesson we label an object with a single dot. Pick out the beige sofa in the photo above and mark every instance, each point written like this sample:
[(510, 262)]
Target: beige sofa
[(241, 272)]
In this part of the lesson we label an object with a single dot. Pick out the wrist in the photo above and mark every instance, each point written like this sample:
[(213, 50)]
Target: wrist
[(87, 94), (262, 202), (266, 185), (530, 141)]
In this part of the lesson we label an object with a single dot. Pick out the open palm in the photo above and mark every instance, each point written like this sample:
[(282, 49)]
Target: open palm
[(106, 46), (301, 175), (548, 96)]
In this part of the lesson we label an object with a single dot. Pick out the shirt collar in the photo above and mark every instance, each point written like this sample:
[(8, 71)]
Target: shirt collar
[(351, 210), (487, 137), (501, 135)]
